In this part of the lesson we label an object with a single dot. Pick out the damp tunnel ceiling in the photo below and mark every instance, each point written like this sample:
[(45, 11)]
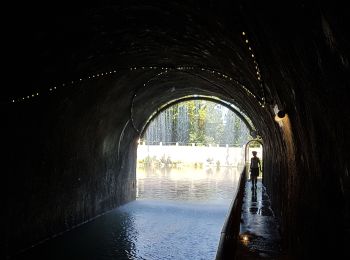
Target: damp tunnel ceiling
[(242, 52)]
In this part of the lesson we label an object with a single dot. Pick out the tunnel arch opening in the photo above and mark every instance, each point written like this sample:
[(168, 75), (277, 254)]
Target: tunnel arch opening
[(253, 132), (162, 87), (245, 119), (171, 85), (144, 178), (246, 130)]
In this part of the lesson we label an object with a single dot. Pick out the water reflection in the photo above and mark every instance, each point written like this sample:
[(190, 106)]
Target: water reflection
[(179, 214), (254, 204), (183, 211), (187, 184), (111, 236)]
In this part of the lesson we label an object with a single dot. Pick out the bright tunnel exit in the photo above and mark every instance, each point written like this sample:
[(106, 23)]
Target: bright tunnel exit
[(189, 161)]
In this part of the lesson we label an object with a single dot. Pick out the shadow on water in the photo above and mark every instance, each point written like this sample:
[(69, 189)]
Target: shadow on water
[(110, 236)]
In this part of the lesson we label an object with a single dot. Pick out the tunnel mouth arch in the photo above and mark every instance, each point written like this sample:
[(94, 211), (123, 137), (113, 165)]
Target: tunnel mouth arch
[(246, 123), (245, 119), (174, 85), (163, 90)]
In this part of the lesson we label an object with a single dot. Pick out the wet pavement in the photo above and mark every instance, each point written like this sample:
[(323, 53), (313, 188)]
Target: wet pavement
[(259, 230)]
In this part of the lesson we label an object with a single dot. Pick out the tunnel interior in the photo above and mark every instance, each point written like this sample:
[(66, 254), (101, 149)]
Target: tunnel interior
[(94, 74)]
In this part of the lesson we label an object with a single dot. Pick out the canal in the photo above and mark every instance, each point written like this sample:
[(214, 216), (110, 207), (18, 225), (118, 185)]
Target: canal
[(178, 214)]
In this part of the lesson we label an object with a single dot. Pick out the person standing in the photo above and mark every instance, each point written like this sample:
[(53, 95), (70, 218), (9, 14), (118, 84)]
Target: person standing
[(255, 167)]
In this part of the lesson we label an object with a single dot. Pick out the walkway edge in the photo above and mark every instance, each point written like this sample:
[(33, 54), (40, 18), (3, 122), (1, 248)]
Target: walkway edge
[(230, 231)]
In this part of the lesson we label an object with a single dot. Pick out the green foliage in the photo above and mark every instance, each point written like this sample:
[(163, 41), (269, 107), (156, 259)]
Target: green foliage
[(201, 122)]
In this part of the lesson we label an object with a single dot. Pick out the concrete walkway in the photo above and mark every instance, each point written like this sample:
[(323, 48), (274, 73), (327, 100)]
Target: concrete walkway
[(259, 235)]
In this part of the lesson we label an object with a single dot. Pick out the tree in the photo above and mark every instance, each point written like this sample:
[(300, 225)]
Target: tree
[(197, 121)]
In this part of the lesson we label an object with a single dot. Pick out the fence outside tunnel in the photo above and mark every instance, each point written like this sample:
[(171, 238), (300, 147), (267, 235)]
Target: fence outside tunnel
[(187, 155)]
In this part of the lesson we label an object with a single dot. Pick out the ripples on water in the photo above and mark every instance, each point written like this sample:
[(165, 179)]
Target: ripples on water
[(178, 214), (188, 184)]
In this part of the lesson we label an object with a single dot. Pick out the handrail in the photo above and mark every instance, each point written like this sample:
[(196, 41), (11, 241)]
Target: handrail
[(230, 231)]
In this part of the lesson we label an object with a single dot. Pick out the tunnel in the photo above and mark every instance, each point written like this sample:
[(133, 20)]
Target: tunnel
[(85, 79)]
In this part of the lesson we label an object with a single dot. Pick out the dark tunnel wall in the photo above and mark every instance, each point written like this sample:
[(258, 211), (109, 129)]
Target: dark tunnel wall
[(71, 166), (72, 151), (310, 64)]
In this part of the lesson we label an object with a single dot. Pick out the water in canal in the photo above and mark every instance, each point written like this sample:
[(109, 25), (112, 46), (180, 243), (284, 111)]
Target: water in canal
[(178, 214)]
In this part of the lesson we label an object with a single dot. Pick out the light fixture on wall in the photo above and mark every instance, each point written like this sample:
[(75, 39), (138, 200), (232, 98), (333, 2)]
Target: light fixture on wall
[(279, 114)]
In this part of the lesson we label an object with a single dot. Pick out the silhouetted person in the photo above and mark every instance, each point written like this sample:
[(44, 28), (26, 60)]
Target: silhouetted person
[(254, 168), (254, 196)]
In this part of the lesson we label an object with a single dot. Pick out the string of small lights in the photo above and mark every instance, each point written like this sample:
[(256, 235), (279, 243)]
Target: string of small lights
[(164, 70), (189, 70), (135, 94), (256, 65)]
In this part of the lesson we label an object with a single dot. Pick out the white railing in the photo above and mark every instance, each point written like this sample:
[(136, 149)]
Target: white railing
[(189, 154)]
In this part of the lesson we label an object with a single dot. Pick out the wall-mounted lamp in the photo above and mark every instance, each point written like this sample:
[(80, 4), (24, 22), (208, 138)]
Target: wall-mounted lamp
[(279, 114)]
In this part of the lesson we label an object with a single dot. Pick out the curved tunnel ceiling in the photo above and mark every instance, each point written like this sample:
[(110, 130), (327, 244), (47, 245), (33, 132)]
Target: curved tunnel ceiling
[(154, 34), (174, 45), (171, 86)]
